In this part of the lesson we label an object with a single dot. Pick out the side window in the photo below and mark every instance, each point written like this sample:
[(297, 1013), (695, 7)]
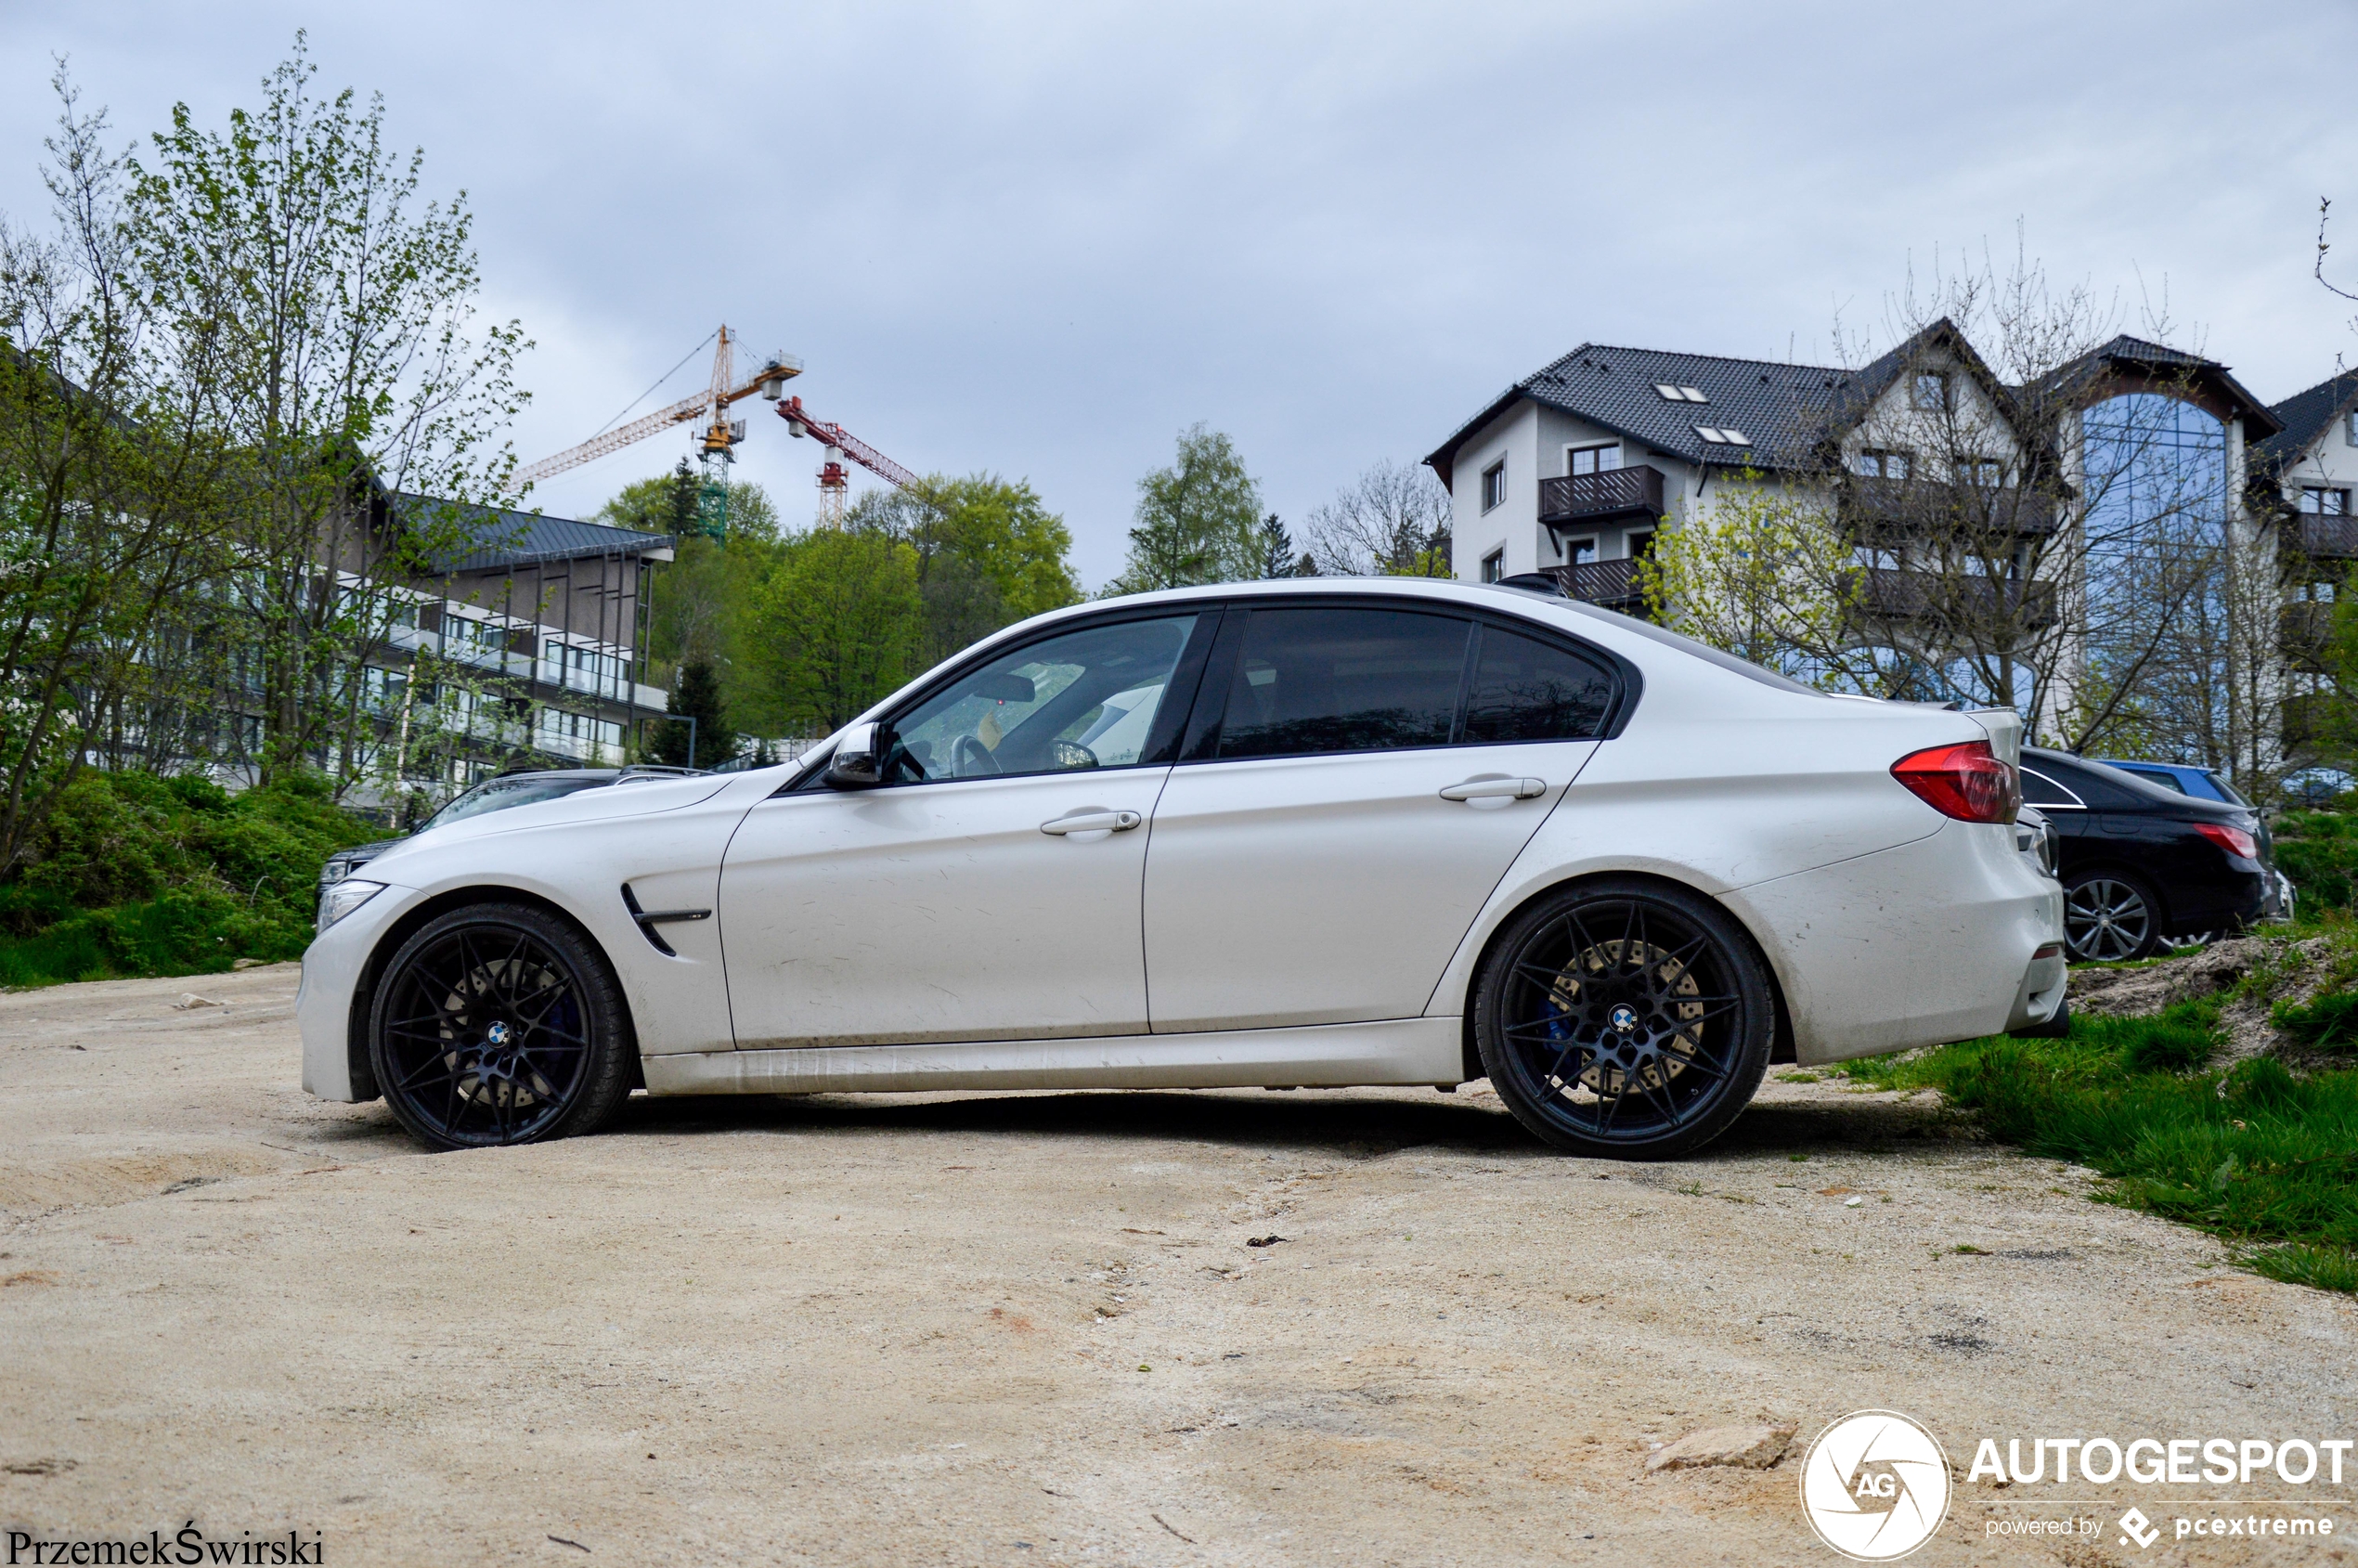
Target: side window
[(1085, 699), (1527, 690), (2038, 789), (1311, 680)]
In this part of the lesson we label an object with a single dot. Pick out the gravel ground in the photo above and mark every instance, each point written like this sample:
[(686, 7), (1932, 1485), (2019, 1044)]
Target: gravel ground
[(1032, 1329)]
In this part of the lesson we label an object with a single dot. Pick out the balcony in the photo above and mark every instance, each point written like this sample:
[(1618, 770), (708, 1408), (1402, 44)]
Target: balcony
[(1611, 585), (1961, 601), (1902, 509), (1580, 500), (2333, 537)]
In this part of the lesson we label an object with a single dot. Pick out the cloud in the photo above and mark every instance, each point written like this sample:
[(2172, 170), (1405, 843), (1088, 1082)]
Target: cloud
[(1042, 240)]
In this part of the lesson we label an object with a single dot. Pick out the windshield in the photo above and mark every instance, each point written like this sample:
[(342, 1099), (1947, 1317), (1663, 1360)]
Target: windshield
[(502, 794)]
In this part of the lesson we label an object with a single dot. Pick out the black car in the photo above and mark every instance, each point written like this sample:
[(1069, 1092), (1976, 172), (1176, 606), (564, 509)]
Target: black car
[(498, 794), (2139, 862)]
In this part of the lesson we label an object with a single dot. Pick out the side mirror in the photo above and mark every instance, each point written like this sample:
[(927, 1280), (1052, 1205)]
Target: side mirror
[(858, 761)]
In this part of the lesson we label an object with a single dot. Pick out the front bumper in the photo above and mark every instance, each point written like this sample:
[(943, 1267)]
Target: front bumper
[(332, 967)]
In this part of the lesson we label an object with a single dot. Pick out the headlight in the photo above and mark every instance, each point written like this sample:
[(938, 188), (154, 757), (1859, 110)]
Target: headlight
[(345, 897)]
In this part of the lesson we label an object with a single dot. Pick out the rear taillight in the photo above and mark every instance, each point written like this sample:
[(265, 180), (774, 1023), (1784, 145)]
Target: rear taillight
[(2235, 840), (1965, 781)]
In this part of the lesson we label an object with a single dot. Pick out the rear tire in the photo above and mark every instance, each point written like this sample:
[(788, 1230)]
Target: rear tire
[(1624, 1020), (2110, 917), (500, 1024)]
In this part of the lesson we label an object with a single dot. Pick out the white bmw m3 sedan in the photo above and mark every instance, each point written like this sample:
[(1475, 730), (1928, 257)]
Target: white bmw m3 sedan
[(1284, 834)]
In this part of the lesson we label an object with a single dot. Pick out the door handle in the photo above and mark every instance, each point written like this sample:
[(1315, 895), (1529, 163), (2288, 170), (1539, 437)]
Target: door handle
[(1496, 789), (1092, 822)]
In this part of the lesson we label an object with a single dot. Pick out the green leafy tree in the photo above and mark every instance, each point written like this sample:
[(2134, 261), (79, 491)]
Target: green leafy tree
[(988, 553), (1768, 576), (698, 600), (1199, 521), (116, 489), (834, 625), (709, 741), (336, 318)]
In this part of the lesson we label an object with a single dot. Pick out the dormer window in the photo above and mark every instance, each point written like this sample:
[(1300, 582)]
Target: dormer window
[(1680, 394)]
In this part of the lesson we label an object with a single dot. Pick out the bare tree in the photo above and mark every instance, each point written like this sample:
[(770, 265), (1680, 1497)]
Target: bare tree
[(1392, 521)]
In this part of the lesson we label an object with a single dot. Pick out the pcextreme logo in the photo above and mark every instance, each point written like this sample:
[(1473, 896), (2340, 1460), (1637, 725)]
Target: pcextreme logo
[(1874, 1486)]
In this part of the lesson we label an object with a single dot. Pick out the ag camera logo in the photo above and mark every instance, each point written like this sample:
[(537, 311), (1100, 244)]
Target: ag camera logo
[(1874, 1486)]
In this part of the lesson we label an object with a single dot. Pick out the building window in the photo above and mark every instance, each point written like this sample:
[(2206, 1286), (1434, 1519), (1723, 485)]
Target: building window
[(1931, 393), (1494, 484), (1592, 460), (1985, 472), (2320, 501), (1579, 552), (1873, 465), (1680, 394), (2349, 427), (1494, 566), (1641, 544)]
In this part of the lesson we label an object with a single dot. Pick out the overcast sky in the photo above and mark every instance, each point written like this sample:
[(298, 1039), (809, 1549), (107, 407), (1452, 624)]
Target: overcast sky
[(1042, 240)]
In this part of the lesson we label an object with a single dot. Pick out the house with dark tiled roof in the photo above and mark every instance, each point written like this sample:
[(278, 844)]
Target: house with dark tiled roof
[(1972, 508), (2314, 456), (1573, 469)]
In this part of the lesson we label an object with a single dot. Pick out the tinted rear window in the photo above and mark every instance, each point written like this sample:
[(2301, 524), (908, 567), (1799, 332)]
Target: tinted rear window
[(1312, 680), (1526, 689)]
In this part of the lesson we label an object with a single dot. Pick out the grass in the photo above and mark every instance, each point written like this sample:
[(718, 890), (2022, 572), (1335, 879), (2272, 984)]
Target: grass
[(2254, 1155)]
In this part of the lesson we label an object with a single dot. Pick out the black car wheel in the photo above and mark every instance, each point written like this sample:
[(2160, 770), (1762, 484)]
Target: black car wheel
[(1625, 1018), (2110, 917), (499, 1024)]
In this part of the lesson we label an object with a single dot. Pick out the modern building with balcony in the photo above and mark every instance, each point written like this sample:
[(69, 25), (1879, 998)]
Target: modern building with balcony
[(526, 643), (2311, 464)]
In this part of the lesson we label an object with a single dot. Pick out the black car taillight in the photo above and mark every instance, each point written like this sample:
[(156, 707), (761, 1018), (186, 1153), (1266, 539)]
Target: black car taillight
[(1966, 781), (2235, 840)]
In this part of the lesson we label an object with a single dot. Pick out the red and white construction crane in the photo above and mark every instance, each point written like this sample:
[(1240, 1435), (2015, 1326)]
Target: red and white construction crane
[(716, 446)]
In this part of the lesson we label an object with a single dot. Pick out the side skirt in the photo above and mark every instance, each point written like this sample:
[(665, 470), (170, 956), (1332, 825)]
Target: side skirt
[(1394, 1051)]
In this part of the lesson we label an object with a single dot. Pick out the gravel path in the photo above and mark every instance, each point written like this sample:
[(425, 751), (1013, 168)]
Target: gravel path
[(1033, 1329)]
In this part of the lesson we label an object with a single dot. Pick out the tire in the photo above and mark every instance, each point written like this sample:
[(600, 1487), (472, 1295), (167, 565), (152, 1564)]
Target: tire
[(500, 1024), (1624, 1020), (2110, 917)]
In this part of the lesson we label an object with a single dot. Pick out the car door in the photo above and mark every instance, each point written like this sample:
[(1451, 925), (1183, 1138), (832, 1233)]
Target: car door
[(1357, 779), (989, 889)]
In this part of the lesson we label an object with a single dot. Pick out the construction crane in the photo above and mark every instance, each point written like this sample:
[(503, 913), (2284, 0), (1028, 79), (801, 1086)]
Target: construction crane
[(834, 478), (715, 447)]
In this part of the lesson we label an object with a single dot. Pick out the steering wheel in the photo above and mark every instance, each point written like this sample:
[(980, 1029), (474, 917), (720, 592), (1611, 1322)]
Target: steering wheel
[(970, 758)]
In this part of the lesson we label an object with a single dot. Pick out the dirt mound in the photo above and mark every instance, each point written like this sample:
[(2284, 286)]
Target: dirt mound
[(2279, 969)]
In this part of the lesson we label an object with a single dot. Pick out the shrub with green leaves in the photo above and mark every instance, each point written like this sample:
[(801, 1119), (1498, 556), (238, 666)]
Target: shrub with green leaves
[(137, 875)]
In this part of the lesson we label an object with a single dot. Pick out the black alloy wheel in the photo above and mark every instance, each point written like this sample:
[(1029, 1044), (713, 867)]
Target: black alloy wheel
[(499, 1024), (1625, 1018), (2109, 917)]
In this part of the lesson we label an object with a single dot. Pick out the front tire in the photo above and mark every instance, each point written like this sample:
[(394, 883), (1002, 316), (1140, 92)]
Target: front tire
[(1624, 1020), (499, 1024)]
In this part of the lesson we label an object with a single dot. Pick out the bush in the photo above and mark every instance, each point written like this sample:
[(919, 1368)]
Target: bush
[(136, 875)]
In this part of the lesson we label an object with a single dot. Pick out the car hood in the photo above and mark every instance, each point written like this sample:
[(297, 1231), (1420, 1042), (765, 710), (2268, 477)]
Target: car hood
[(584, 806)]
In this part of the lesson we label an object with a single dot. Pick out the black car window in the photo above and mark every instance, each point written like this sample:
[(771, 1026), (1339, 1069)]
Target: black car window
[(1527, 690), (1084, 699), (1313, 680), (2157, 776), (2038, 789)]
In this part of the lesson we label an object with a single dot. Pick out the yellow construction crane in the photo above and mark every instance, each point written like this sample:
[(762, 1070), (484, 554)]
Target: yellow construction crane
[(713, 449)]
